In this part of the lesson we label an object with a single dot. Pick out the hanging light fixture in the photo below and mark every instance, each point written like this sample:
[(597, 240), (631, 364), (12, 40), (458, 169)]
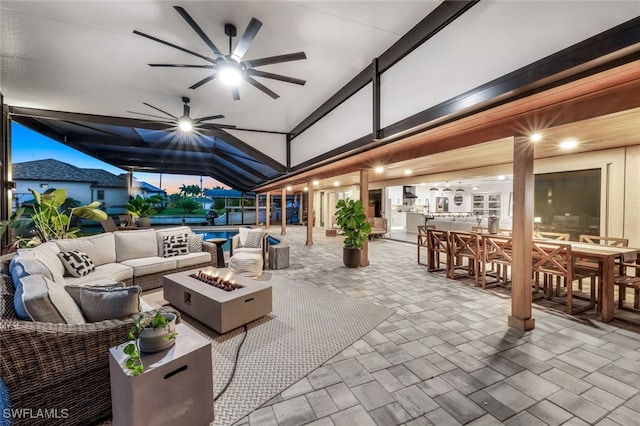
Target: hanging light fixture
[(459, 187), (447, 188), (434, 187)]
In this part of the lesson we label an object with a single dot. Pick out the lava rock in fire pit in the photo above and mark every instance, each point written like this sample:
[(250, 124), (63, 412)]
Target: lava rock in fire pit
[(216, 281)]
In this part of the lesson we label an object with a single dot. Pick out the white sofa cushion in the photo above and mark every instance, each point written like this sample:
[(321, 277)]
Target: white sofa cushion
[(23, 266), (247, 250), (46, 301), (100, 248), (135, 244), (47, 253), (192, 259), (110, 271), (150, 265)]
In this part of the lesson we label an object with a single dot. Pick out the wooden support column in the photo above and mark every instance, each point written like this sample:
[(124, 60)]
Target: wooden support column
[(257, 209), (364, 197), (523, 186), (267, 219), (283, 225), (310, 215)]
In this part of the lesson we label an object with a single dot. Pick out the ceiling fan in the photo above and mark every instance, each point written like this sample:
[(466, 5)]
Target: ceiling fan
[(185, 123), (231, 68)]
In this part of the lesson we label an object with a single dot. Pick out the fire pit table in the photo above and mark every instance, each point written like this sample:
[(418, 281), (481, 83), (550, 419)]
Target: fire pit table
[(222, 304)]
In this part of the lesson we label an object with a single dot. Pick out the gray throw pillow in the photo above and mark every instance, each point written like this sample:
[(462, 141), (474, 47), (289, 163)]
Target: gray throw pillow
[(195, 243), (77, 263), (46, 301), (99, 304), (75, 290), (254, 239)]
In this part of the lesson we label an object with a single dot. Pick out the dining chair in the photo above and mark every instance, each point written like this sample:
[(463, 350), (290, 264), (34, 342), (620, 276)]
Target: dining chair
[(599, 240), (464, 245), (422, 243), (628, 281), (438, 247), (497, 252), (554, 262)]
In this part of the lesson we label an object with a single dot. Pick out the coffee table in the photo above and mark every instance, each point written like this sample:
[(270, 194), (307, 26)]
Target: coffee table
[(219, 309)]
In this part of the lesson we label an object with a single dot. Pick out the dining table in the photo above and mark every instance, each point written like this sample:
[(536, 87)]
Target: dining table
[(606, 257)]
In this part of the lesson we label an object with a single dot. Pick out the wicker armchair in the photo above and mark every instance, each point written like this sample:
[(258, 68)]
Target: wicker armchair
[(55, 366)]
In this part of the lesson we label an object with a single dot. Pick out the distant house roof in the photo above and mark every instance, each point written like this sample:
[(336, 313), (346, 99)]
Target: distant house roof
[(54, 170)]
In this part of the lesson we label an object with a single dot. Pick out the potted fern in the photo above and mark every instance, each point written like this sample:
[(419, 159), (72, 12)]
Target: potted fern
[(149, 334), (352, 220)]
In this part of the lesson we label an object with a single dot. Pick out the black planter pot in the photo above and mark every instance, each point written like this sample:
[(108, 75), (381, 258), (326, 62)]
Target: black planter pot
[(351, 257)]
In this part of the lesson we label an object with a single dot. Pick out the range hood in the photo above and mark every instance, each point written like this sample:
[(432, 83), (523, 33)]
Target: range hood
[(409, 192)]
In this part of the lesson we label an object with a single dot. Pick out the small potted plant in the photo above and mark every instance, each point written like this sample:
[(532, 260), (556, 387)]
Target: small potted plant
[(353, 223), (149, 335), (143, 208)]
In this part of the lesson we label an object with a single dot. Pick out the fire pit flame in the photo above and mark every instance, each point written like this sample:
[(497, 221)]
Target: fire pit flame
[(215, 279)]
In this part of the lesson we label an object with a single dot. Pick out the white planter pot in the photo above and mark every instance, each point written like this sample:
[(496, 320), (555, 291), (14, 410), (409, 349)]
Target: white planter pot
[(153, 339)]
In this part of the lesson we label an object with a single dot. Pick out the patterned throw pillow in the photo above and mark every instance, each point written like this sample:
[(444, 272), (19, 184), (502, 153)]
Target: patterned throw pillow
[(254, 239), (77, 263), (195, 243), (174, 245)]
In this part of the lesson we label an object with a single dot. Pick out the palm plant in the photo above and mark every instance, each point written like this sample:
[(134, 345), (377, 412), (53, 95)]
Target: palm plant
[(52, 216)]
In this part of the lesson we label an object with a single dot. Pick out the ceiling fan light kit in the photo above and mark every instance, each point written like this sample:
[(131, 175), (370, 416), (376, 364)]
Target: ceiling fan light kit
[(231, 69)]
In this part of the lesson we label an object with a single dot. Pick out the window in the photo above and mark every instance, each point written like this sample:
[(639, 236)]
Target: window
[(487, 204), (100, 194)]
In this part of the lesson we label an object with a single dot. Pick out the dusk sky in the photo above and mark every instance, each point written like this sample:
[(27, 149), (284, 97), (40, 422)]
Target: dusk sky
[(28, 145)]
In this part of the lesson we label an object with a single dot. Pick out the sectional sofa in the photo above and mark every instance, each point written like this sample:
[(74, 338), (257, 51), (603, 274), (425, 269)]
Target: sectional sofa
[(65, 366)]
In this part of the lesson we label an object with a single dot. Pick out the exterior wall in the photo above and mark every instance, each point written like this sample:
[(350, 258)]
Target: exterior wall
[(114, 198), (80, 191)]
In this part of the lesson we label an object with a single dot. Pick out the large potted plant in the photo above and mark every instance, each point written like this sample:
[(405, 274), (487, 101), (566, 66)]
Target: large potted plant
[(353, 223), (50, 217), (142, 208)]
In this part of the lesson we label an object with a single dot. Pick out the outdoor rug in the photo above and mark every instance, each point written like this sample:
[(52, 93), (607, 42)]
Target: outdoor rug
[(307, 327)]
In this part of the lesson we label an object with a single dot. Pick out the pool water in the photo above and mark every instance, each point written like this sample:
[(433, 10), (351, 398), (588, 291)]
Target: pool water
[(219, 234), (228, 235)]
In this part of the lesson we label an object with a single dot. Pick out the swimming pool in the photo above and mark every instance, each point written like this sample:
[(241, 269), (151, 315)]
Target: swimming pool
[(219, 234), (228, 235)]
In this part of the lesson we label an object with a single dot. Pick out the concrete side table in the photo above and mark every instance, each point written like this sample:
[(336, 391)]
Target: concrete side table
[(278, 257), (176, 387)]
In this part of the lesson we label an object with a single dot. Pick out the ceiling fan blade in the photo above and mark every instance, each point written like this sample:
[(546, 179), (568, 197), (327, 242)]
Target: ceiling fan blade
[(211, 126), (264, 74), (210, 117), (175, 46), (158, 109), (148, 115), (246, 39), (182, 66), (276, 59), (262, 87), (236, 93), (203, 81), (197, 29)]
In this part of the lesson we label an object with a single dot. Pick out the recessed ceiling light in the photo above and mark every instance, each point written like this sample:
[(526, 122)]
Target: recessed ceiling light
[(535, 137), (423, 184), (568, 144), (316, 182), (289, 188), (502, 177), (336, 183), (407, 172), (474, 187), (305, 189), (379, 169)]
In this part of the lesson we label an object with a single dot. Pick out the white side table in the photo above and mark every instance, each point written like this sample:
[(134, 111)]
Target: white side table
[(176, 387)]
